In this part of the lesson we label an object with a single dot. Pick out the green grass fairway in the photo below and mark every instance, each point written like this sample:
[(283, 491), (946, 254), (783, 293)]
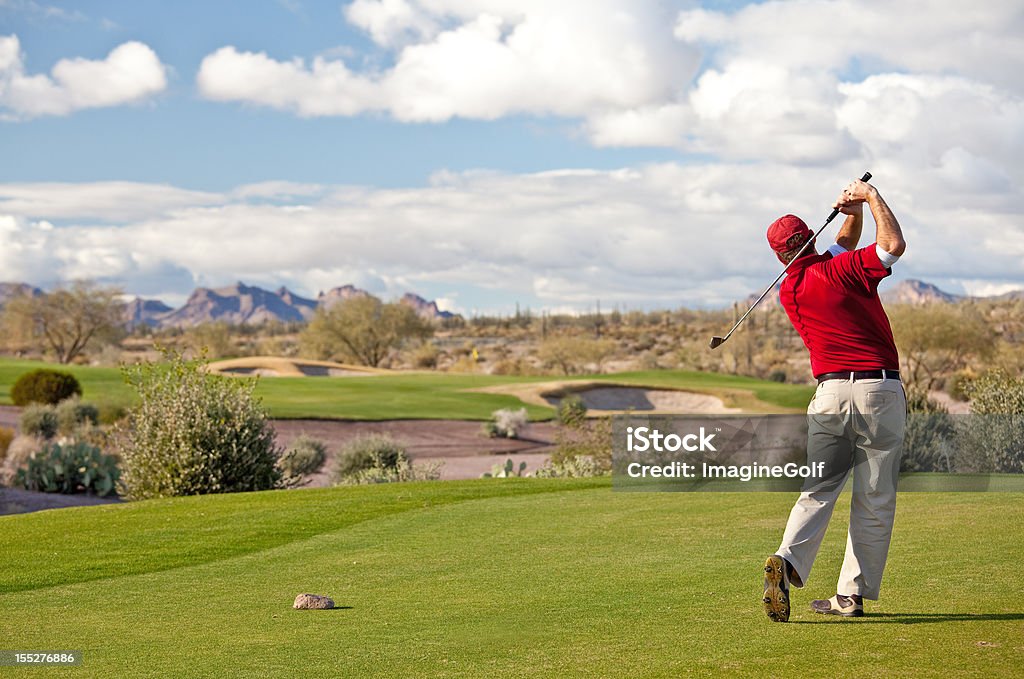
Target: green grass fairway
[(426, 395), (489, 578)]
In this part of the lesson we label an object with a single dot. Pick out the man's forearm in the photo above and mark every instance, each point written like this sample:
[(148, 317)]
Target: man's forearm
[(849, 234), (888, 234)]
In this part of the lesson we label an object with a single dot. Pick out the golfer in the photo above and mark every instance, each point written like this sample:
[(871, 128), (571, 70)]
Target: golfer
[(857, 416)]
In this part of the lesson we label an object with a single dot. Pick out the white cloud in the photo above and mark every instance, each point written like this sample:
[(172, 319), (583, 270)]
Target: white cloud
[(984, 288), (108, 201), (664, 234), (130, 73), (814, 81), (810, 82), (482, 60)]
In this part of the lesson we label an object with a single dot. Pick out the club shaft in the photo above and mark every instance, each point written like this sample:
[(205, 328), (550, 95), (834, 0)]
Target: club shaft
[(800, 252)]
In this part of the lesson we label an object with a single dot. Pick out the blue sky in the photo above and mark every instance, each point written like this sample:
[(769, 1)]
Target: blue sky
[(490, 152), (181, 139)]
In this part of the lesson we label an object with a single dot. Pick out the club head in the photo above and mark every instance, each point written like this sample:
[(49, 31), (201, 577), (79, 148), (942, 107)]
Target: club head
[(717, 342)]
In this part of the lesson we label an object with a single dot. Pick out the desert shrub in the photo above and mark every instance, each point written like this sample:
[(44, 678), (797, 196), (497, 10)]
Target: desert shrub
[(507, 423), (425, 356), (571, 411), (648, 360), (402, 471), (305, 456), (508, 366), (927, 439), (777, 376), (991, 439), (21, 448), (959, 384), (590, 439), (72, 414), (573, 467), (366, 452), (194, 432), (568, 355), (69, 468), (111, 413), (44, 386), (39, 420), (466, 364), (6, 436)]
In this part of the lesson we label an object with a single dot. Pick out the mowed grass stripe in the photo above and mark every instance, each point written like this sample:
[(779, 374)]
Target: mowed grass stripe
[(43, 549), (428, 395), (562, 584)]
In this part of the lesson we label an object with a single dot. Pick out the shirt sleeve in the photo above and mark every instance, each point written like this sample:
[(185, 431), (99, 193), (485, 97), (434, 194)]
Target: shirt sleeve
[(860, 270), (836, 249)]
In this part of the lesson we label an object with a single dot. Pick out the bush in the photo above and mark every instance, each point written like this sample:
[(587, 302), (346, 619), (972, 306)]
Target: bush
[(402, 471), (778, 376), (991, 439), (305, 456), (507, 423), (959, 384), (927, 439), (6, 436), (39, 420), (573, 467), (44, 386), (571, 411), (194, 432), (70, 468), (111, 413), (366, 452), (590, 439), (72, 414), (425, 356), (21, 448)]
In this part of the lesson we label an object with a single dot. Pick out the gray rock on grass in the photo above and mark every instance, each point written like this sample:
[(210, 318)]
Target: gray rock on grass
[(313, 602)]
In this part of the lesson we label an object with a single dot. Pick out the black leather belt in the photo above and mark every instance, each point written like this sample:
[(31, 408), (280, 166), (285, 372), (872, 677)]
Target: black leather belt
[(860, 375)]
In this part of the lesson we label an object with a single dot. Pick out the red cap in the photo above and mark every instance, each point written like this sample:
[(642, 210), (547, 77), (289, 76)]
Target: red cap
[(787, 233)]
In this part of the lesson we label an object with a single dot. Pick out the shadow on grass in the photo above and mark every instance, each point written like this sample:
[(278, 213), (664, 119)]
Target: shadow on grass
[(324, 610), (915, 618)]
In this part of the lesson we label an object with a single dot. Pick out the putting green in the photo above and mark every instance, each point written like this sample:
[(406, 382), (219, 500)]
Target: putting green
[(500, 578)]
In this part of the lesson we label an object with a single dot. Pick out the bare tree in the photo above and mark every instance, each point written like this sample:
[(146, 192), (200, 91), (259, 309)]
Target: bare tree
[(66, 320)]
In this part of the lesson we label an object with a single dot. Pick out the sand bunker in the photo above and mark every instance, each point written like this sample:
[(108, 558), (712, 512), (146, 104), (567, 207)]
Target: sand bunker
[(275, 366), (616, 399), (602, 398)]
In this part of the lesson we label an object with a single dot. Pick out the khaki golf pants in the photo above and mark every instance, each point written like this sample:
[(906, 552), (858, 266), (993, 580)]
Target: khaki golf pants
[(858, 426)]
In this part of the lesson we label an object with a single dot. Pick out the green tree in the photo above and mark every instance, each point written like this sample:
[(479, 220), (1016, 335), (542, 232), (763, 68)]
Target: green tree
[(211, 339), (569, 354), (362, 330), (67, 320), (935, 340)]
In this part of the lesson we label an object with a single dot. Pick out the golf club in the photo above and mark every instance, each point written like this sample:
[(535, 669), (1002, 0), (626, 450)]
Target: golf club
[(719, 341)]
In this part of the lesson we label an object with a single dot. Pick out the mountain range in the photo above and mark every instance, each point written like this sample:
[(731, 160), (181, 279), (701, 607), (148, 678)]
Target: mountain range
[(248, 304), (909, 291), (237, 304)]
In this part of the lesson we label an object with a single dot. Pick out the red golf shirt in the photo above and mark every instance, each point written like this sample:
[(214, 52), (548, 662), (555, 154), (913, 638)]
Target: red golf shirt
[(834, 306)]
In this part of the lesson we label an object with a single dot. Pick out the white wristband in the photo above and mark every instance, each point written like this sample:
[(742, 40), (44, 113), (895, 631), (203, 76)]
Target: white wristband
[(887, 259)]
